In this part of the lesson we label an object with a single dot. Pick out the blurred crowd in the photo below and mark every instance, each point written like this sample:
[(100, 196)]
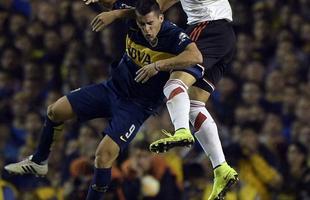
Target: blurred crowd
[(262, 106)]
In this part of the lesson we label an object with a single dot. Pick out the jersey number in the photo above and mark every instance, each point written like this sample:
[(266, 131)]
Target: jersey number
[(129, 133)]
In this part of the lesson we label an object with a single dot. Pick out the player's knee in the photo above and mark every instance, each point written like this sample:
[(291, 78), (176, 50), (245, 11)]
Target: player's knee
[(105, 158)]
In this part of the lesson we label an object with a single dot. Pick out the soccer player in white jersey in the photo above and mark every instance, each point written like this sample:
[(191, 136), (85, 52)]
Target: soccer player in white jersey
[(210, 27)]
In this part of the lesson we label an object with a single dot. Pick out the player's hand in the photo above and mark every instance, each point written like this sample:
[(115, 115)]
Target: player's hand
[(102, 20), (87, 2), (146, 72)]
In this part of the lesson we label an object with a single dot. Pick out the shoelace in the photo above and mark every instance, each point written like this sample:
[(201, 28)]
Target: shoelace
[(166, 133)]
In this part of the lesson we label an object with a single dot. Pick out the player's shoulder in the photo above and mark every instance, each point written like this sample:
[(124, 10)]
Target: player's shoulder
[(169, 27), (172, 31)]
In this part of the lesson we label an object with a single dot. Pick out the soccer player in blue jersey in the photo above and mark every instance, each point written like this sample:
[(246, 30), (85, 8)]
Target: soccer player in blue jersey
[(126, 102), (210, 27)]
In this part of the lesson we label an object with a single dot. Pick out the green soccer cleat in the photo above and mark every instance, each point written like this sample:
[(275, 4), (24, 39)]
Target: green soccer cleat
[(182, 137), (224, 178)]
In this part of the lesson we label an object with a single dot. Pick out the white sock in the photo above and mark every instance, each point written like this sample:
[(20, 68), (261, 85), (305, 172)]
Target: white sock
[(206, 132), (178, 103)]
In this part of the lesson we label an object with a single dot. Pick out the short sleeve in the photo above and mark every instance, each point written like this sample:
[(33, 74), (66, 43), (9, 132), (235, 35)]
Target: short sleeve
[(179, 39), (123, 4)]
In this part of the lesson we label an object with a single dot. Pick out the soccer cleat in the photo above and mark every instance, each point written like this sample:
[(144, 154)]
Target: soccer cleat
[(224, 178), (182, 137), (27, 167)]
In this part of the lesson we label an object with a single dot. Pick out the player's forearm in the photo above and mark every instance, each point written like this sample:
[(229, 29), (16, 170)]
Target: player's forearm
[(130, 13), (124, 13), (178, 62), (185, 59)]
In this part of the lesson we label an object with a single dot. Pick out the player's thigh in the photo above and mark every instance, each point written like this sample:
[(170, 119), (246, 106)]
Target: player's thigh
[(189, 75), (93, 101), (126, 122), (185, 77), (61, 110), (198, 94)]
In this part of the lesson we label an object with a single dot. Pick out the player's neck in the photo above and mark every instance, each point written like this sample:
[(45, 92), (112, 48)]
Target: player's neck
[(153, 42)]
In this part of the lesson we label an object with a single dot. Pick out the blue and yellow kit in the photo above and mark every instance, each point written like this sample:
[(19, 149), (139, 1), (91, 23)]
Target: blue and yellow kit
[(126, 103), (139, 52)]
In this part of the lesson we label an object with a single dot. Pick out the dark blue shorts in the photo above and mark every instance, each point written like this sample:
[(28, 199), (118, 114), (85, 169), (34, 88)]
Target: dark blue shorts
[(101, 101)]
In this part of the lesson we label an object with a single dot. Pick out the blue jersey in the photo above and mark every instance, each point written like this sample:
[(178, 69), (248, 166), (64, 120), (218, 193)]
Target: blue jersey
[(171, 40), (125, 102)]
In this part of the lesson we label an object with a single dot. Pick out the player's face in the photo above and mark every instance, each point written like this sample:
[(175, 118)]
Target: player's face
[(150, 24)]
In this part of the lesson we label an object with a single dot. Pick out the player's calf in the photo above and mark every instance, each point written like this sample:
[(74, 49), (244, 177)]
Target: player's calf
[(178, 103), (106, 154)]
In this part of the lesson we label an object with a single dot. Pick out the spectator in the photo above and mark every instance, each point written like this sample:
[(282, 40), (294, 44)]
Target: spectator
[(297, 172)]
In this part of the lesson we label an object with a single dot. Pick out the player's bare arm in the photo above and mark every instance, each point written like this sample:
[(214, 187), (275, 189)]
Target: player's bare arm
[(106, 3), (190, 56), (105, 18)]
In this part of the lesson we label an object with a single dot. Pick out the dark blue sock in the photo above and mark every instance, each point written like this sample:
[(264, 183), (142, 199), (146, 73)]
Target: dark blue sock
[(100, 183), (48, 135)]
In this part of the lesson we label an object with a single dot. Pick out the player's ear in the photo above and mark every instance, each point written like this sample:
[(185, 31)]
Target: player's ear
[(161, 17)]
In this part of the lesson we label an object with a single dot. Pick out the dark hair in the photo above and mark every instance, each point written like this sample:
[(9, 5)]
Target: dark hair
[(143, 7)]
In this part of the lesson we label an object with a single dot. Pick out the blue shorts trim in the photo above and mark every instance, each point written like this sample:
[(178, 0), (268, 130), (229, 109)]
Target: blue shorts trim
[(196, 71)]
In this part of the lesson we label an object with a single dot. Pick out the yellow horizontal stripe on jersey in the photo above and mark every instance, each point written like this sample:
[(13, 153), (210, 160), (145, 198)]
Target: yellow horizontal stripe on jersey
[(142, 55)]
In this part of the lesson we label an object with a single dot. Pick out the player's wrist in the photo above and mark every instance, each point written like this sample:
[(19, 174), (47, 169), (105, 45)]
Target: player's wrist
[(117, 14), (157, 67)]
